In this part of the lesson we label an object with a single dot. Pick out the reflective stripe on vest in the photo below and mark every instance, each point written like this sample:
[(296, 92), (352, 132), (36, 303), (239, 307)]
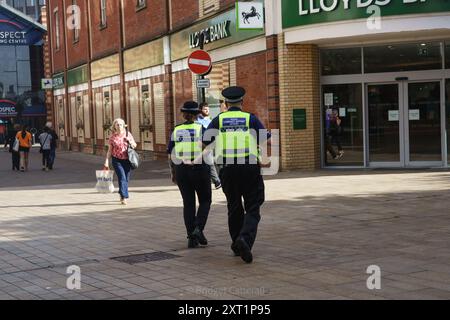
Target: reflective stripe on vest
[(188, 141), (235, 137)]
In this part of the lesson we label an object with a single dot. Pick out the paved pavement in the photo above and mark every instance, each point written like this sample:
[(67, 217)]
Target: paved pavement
[(319, 233)]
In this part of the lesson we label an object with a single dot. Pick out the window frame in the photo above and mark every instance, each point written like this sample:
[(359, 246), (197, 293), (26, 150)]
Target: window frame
[(140, 5), (76, 32), (103, 15), (57, 29)]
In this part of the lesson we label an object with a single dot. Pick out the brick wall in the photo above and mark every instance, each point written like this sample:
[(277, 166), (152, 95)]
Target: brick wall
[(59, 55), (299, 89), (78, 52), (182, 91), (184, 12), (144, 24), (273, 90), (251, 75), (106, 40)]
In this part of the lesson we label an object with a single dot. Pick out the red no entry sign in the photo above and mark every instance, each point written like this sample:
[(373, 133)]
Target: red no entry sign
[(199, 62)]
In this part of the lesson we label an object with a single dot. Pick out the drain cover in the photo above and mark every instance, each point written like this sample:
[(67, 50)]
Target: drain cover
[(146, 257)]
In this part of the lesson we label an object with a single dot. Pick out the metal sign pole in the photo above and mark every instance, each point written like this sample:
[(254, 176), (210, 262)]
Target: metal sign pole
[(201, 91)]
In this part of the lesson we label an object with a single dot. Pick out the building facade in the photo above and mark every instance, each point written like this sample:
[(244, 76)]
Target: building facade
[(129, 59), (381, 67)]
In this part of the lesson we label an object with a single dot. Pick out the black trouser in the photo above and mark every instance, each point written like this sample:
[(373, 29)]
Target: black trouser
[(15, 160), (46, 158), (243, 181), (193, 180), (329, 144)]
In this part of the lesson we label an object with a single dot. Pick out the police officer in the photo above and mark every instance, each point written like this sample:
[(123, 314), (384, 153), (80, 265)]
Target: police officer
[(236, 133), (184, 146)]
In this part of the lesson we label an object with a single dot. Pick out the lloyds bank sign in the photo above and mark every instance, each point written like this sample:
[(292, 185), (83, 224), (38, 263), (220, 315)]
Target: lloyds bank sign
[(306, 12), (210, 34)]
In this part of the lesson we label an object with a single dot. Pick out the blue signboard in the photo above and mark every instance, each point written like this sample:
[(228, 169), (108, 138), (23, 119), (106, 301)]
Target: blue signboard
[(17, 30), (7, 109)]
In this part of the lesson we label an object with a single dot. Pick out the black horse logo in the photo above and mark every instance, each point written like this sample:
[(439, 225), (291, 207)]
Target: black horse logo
[(251, 14)]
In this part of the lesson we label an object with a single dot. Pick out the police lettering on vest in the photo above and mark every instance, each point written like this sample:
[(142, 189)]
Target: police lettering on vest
[(236, 142), (188, 142)]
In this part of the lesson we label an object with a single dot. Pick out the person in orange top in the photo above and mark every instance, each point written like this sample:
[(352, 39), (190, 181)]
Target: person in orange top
[(25, 143)]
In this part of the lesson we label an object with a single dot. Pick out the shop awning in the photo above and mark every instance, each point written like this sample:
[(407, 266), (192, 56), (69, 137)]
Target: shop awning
[(16, 28)]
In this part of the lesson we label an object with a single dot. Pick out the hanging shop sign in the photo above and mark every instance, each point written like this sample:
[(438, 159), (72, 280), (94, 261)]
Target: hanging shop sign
[(46, 84), (18, 31), (306, 12), (219, 31), (7, 109), (250, 15)]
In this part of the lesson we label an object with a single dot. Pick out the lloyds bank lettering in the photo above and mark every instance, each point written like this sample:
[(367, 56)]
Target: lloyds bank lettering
[(312, 6), (213, 33)]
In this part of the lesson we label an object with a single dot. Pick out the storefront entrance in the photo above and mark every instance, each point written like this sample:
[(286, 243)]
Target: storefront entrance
[(386, 105), (405, 124)]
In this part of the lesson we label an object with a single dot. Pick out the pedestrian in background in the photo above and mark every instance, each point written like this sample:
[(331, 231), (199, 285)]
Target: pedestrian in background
[(45, 140), (10, 140), (53, 145), (204, 119), (25, 144), (223, 106), (119, 142), (192, 178)]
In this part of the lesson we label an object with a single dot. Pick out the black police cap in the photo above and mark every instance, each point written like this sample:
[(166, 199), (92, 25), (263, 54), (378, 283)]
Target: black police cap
[(190, 106), (233, 94)]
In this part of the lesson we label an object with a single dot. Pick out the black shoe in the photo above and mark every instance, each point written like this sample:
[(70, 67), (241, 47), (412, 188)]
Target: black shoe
[(192, 242), (198, 234), (235, 249), (244, 250)]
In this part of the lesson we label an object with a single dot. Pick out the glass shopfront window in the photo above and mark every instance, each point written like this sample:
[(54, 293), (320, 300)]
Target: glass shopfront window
[(403, 57), (341, 61), (343, 125)]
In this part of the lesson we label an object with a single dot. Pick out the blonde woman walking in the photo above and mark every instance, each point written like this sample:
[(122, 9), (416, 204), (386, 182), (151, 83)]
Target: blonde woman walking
[(118, 150)]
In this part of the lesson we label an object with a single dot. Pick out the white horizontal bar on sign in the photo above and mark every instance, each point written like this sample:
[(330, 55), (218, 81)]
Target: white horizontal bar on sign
[(356, 31), (199, 62), (239, 49)]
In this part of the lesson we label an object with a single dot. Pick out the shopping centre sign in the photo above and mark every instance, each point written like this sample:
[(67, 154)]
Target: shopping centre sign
[(7, 109), (18, 31), (306, 12)]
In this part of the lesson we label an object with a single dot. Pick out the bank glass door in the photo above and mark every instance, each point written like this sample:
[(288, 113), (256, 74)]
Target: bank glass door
[(404, 124)]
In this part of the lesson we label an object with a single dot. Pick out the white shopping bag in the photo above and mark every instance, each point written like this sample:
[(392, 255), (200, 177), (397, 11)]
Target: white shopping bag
[(105, 181)]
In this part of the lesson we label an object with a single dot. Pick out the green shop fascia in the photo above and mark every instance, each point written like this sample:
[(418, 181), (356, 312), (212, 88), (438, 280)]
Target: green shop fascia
[(220, 31), (306, 12)]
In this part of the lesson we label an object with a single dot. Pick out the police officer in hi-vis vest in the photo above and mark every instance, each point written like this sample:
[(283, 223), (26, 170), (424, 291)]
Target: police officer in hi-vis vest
[(236, 136), (192, 179)]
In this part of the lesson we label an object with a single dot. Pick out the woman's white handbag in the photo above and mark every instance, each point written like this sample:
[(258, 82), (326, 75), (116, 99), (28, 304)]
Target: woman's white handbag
[(16, 145), (105, 181)]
